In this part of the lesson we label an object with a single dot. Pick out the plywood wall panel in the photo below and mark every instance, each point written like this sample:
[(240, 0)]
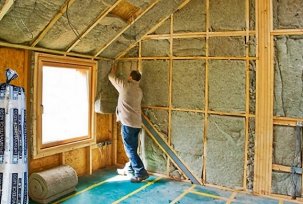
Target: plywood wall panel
[(97, 159), (121, 156), (36, 165), (103, 127), (78, 160), (15, 59)]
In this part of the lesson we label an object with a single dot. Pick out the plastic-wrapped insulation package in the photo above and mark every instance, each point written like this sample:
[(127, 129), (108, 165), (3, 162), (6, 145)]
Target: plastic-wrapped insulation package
[(13, 143)]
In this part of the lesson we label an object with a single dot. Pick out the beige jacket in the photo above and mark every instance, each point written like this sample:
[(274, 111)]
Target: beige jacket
[(129, 101)]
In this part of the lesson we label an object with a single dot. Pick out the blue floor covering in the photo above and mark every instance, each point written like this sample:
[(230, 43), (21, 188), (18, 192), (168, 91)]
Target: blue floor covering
[(105, 186)]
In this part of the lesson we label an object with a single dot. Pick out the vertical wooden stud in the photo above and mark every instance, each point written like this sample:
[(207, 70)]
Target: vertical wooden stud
[(62, 158), (247, 99), (205, 96), (170, 75), (140, 55), (115, 139), (89, 159), (264, 101)]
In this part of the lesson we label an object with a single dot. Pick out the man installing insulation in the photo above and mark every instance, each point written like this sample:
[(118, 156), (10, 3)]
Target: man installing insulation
[(129, 114)]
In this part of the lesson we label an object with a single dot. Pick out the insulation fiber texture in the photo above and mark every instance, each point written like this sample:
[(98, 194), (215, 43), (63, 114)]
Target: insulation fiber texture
[(155, 48), (13, 145), (74, 22), (26, 19), (288, 14), (227, 85), (252, 86), (288, 99), (154, 83), (284, 153), (227, 46), (98, 37), (189, 47), (141, 27), (191, 18), (188, 73), (164, 28), (284, 146), (250, 154), (153, 157), (187, 139), (46, 186), (107, 96), (227, 15), (225, 151), (159, 119), (286, 183)]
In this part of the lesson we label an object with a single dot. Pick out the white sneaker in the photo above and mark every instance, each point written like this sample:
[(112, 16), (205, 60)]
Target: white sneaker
[(124, 172)]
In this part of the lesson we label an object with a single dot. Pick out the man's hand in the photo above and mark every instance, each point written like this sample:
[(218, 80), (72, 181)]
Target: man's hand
[(114, 69)]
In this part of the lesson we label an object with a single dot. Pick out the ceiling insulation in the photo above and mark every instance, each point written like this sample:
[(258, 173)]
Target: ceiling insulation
[(92, 28)]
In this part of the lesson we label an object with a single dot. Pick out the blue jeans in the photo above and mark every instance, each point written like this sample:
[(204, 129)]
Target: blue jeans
[(130, 141)]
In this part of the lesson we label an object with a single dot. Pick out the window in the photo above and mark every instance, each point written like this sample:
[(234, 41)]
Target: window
[(63, 96)]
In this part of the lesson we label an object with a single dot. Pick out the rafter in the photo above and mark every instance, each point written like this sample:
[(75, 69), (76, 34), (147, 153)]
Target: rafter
[(7, 5), (150, 31), (94, 24), (124, 29), (39, 49), (52, 22)]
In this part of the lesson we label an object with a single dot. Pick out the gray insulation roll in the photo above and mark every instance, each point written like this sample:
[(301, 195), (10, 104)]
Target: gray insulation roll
[(107, 97), (51, 184)]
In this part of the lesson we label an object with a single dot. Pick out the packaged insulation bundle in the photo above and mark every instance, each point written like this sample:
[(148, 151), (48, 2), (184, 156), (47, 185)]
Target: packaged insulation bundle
[(13, 143)]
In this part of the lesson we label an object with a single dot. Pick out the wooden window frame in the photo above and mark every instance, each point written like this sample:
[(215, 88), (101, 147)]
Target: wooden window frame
[(42, 150)]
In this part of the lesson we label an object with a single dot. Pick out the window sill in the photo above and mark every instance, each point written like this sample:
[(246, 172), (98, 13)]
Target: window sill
[(39, 153)]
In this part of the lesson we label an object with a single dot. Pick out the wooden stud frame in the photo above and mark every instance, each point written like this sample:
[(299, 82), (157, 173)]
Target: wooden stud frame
[(124, 29), (148, 132), (264, 117), (52, 22), (101, 16), (264, 103), (170, 77), (185, 2), (7, 5), (207, 34), (50, 51), (247, 99), (170, 58), (38, 149), (206, 95), (114, 139), (285, 121)]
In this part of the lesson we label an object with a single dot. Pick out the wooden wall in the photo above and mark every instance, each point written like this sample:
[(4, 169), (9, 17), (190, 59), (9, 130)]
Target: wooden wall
[(83, 160), (80, 159), (16, 59)]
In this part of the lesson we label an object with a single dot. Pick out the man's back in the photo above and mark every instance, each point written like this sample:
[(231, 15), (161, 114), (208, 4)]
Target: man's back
[(129, 102)]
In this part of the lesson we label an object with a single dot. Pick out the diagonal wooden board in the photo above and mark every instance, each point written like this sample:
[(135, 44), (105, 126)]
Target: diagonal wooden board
[(167, 149)]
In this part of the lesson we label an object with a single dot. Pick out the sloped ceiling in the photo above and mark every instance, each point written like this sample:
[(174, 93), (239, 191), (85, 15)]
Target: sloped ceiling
[(87, 28)]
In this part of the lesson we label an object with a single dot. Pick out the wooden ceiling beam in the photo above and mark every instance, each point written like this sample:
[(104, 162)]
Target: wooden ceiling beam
[(151, 30), (124, 29), (7, 5), (52, 22), (101, 16), (45, 50)]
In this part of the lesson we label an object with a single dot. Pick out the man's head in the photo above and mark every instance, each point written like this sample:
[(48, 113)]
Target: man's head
[(135, 75)]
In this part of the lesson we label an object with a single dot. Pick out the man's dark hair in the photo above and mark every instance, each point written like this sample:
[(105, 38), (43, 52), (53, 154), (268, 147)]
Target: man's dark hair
[(135, 75)]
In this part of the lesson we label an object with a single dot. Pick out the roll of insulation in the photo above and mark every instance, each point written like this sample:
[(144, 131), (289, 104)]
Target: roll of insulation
[(49, 185)]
